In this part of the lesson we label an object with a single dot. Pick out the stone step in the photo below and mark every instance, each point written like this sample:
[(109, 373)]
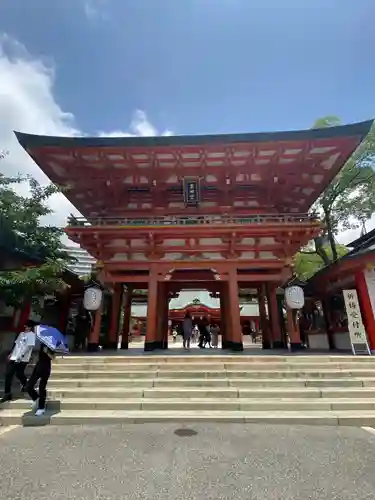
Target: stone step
[(101, 417), (102, 383), (188, 374), (211, 392), (213, 358), (178, 367), (270, 392), (198, 404)]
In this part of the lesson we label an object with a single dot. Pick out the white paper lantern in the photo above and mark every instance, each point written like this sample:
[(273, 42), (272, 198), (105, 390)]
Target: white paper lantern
[(294, 297), (92, 298)]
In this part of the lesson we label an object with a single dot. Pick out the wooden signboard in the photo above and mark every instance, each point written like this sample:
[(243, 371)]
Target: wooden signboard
[(191, 186), (357, 331)]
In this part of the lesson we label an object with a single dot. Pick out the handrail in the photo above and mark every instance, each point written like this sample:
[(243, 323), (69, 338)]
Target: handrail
[(192, 220)]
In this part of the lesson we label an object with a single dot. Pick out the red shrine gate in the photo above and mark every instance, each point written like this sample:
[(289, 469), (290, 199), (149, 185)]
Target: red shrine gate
[(229, 212)]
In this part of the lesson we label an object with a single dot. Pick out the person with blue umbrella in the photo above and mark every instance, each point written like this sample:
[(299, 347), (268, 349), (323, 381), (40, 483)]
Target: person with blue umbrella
[(52, 342), (18, 359)]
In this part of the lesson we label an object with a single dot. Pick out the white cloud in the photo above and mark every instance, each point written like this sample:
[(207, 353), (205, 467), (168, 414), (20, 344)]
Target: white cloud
[(139, 126), (95, 9), (27, 104), (351, 234)]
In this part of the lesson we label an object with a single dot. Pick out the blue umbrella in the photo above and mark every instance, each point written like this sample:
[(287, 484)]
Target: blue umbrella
[(52, 338)]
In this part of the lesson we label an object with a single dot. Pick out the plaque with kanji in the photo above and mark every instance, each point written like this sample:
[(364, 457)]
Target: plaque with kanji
[(357, 331), (191, 186)]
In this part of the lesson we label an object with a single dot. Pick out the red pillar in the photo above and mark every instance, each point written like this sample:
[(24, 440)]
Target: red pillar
[(224, 326), (64, 312), (151, 330), (366, 308), (115, 313), (293, 331), (328, 322), (273, 311), (234, 312), (127, 315), (161, 321), (24, 315), (263, 320), (165, 316), (93, 342)]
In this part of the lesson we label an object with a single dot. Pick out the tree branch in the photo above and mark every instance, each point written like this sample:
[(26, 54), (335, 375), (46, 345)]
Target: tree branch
[(351, 185)]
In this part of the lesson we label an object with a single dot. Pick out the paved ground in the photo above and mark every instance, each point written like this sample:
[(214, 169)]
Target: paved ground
[(219, 462)]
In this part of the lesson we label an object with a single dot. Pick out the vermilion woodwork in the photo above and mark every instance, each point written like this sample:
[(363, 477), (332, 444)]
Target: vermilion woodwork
[(115, 312), (293, 330), (264, 324), (274, 317), (234, 312), (152, 325), (255, 192), (93, 341), (126, 321), (366, 307)]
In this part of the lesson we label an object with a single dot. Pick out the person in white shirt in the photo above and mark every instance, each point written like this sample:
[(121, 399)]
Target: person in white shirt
[(19, 359)]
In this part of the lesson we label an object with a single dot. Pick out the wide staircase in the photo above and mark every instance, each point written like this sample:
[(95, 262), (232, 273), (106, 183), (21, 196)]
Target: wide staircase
[(318, 390)]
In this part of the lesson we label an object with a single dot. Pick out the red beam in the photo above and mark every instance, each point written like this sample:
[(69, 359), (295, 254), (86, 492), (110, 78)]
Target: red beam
[(184, 283), (197, 230), (221, 266), (159, 248)]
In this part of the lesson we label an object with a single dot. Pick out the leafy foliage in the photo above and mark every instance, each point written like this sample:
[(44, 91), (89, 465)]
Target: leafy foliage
[(306, 264), (23, 234), (349, 201)]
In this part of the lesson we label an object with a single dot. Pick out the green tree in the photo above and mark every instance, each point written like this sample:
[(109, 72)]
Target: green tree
[(349, 201), (307, 264), (22, 233)]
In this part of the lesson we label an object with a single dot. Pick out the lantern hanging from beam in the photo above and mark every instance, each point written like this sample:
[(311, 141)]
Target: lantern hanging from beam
[(294, 297), (92, 298)]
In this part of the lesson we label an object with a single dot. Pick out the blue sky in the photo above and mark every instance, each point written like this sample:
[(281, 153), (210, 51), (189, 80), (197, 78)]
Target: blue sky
[(202, 66)]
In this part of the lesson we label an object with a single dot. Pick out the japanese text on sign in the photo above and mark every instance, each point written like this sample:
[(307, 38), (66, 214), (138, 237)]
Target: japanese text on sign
[(356, 327), (191, 191)]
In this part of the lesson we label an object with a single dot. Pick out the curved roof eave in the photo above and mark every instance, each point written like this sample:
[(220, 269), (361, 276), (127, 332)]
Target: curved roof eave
[(360, 129)]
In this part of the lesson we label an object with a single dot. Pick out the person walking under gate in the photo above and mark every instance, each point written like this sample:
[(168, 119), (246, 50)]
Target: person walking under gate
[(42, 372), (18, 360), (195, 335), (187, 328), (205, 335), (215, 335), (174, 335)]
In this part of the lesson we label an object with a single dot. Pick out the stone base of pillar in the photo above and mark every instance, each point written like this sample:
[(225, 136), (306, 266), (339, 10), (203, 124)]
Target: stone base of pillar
[(278, 344), (297, 346), (159, 344), (151, 346), (226, 344), (237, 346), (124, 344), (266, 344), (110, 346), (233, 346), (93, 347)]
